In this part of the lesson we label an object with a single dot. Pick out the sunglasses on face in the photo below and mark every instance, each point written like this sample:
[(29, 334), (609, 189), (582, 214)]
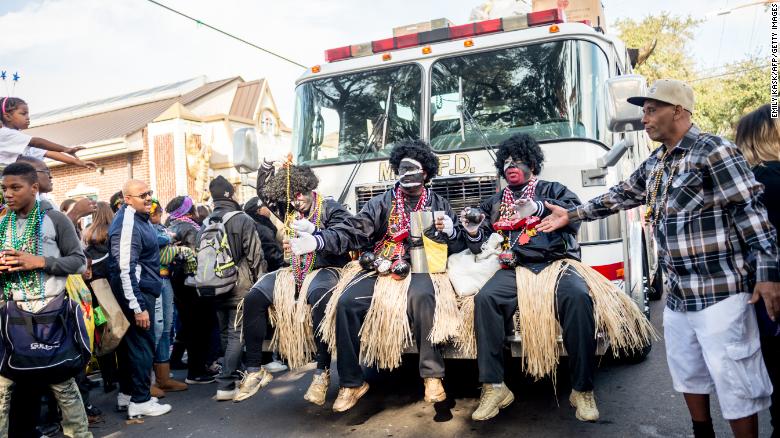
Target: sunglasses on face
[(144, 195)]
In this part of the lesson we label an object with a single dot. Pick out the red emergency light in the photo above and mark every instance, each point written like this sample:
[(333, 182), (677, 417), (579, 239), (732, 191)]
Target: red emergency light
[(540, 18)]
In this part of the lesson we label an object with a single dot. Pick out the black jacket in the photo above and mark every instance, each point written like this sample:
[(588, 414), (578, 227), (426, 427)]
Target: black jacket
[(768, 174), (272, 250), (543, 248), (244, 244), (184, 233), (363, 230)]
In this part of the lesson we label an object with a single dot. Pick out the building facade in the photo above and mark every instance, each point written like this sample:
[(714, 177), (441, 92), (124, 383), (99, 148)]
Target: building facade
[(177, 137)]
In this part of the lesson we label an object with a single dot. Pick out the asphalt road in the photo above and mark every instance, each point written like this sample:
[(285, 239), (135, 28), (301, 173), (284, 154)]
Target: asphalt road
[(634, 401)]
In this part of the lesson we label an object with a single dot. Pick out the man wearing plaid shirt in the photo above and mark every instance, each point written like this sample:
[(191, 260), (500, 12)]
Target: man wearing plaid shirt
[(716, 247)]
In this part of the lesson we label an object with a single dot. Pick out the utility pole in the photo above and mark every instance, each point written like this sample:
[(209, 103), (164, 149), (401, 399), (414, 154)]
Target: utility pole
[(727, 11)]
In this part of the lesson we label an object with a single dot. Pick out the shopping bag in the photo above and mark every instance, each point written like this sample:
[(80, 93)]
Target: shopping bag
[(110, 333)]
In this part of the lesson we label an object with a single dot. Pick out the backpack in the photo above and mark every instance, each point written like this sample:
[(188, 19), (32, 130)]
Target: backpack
[(217, 271)]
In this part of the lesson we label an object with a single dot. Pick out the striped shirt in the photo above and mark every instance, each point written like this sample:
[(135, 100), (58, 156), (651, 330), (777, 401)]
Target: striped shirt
[(713, 236)]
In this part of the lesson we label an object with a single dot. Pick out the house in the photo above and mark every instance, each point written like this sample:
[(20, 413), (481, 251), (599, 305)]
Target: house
[(177, 137)]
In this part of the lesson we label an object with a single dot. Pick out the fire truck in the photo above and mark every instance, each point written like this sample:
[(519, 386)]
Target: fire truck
[(464, 89)]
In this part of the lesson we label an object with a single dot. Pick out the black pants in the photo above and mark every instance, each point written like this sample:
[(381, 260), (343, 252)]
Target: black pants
[(198, 320), (261, 296), (351, 311), (495, 306), (135, 356), (770, 348)]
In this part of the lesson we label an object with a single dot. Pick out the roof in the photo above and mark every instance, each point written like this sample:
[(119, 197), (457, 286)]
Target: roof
[(177, 111), (246, 98), (119, 122)]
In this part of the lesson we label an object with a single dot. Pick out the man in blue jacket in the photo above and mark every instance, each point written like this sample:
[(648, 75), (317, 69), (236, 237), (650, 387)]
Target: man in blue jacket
[(134, 274)]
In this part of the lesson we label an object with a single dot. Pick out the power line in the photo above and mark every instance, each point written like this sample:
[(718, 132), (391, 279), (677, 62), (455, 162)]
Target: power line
[(230, 35), (730, 73)]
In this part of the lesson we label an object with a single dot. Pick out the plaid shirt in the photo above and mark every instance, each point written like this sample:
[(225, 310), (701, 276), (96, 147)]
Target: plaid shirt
[(713, 235)]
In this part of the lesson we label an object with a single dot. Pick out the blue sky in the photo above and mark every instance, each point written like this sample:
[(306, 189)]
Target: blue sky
[(73, 51)]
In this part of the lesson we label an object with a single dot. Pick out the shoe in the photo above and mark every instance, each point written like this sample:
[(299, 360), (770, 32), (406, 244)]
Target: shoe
[(162, 372), (348, 397), (318, 388), (214, 370), (200, 380), (492, 400), (123, 401), (49, 430), (275, 366), (226, 394), (434, 390), (94, 415), (149, 408), (155, 391), (250, 383), (585, 403)]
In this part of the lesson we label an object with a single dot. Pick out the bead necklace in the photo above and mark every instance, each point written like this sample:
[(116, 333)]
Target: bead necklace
[(188, 220), (398, 223), (507, 209), (302, 265), (653, 213), (31, 242)]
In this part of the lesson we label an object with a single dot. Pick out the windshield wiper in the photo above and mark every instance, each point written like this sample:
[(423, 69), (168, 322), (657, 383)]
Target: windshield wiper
[(466, 116), (370, 142)]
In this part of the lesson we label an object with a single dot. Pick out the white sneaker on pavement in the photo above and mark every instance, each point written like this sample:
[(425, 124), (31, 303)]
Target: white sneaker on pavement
[(123, 401), (275, 366), (149, 408)]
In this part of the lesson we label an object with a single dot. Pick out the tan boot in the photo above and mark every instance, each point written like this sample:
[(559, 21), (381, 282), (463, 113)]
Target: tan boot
[(348, 397), (434, 390), (585, 403), (156, 391), (162, 372), (318, 388), (493, 399)]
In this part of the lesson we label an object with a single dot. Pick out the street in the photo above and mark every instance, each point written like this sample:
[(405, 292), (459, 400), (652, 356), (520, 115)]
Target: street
[(634, 400)]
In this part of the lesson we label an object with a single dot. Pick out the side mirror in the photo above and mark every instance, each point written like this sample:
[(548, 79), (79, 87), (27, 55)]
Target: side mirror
[(245, 154), (621, 115)]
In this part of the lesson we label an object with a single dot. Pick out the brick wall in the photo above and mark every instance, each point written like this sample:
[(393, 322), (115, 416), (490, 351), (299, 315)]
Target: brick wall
[(66, 177), (164, 168)]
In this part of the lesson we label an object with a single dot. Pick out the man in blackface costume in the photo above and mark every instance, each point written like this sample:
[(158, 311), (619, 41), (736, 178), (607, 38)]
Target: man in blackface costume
[(541, 272), (295, 296), (381, 306)]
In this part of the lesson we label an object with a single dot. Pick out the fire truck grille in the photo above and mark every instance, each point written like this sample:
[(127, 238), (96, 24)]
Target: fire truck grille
[(461, 192)]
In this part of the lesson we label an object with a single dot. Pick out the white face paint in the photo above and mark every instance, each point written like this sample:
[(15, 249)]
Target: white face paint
[(410, 173)]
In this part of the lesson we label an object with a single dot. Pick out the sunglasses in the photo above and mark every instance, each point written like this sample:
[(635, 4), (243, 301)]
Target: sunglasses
[(144, 195)]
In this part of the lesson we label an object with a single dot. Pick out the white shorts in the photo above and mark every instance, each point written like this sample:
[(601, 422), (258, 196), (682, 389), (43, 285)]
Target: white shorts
[(718, 349)]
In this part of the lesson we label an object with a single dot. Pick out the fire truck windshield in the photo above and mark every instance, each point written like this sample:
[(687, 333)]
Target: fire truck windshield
[(550, 90), (335, 117)]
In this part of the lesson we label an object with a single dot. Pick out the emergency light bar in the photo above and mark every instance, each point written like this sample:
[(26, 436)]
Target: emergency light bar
[(515, 22)]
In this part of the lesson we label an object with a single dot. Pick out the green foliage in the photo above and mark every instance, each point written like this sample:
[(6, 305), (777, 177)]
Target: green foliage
[(722, 97)]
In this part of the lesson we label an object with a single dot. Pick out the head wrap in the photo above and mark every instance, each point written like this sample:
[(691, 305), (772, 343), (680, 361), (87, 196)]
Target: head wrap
[(184, 208)]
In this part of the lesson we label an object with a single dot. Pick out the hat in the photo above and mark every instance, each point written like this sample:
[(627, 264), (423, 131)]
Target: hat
[(220, 188), (669, 91), (252, 205)]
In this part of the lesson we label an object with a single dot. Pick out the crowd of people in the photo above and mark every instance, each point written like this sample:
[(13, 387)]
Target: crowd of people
[(197, 287)]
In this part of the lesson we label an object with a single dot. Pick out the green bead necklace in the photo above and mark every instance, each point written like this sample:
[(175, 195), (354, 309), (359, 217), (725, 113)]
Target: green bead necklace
[(29, 241)]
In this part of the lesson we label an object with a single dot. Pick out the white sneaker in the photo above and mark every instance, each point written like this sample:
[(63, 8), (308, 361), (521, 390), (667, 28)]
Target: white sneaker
[(123, 401), (275, 366), (225, 395), (148, 408)]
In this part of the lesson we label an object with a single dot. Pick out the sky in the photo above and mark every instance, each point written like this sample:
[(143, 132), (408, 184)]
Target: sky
[(73, 51)]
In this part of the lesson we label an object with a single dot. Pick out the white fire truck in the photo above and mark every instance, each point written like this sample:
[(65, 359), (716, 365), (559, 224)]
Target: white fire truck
[(466, 88)]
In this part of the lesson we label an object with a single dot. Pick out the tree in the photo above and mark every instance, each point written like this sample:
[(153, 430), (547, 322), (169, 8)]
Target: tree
[(722, 97)]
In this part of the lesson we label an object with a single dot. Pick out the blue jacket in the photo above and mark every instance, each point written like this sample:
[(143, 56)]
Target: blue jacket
[(134, 259)]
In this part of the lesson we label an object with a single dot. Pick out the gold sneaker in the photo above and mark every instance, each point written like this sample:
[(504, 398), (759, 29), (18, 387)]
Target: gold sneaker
[(585, 403), (348, 397), (492, 400), (434, 390), (318, 388), (251, 383)]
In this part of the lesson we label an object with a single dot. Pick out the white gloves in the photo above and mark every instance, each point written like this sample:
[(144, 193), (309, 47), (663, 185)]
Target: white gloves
[(526, 207), (303, 226), (449, 227), (303, 244)]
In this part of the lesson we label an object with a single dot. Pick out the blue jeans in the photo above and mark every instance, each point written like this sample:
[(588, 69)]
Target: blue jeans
[(162, 338)]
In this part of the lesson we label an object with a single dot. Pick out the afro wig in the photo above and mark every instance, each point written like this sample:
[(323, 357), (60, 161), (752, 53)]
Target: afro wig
[(417, 150), (302, 180), (521, 147)]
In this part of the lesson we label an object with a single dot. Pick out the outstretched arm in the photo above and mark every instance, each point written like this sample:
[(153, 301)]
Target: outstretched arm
[(69, 159)]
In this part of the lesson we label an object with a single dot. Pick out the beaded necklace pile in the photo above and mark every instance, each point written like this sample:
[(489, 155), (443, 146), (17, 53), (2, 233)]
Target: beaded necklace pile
[(654, 208), (398, 225), (30, 241), (526, 226)]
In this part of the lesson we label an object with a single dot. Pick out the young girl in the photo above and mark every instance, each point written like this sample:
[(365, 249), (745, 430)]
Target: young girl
[(15, 116)]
